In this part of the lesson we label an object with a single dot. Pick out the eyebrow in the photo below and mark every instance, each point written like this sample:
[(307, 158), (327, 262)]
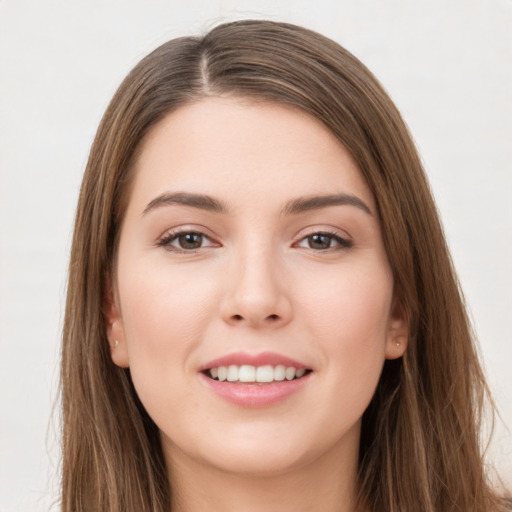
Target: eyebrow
[(304, 204), (293, 207), (201, 201)]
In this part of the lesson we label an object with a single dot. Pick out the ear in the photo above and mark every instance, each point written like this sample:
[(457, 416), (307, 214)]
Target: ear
[(115, 329), (398, 334)]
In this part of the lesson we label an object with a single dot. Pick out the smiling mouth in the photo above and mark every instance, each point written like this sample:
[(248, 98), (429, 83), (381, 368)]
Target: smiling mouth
[(248, 374)]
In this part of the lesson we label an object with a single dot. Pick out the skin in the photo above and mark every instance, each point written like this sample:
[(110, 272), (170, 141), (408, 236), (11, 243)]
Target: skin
[(257, 283)]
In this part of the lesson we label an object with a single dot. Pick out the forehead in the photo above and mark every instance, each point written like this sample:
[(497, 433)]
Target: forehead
[(226, 147)]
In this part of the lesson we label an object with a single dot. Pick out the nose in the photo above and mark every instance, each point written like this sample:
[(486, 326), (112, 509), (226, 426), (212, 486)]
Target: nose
[(257, 294)]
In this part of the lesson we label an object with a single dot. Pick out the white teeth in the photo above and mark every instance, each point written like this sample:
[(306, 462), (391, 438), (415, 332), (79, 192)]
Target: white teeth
[(290, 373), (264, 374), (222, 373), (232, 373), (249, 373), (279, 372)]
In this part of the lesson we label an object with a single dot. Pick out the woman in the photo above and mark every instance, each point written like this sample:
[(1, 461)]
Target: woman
[(262, 312)]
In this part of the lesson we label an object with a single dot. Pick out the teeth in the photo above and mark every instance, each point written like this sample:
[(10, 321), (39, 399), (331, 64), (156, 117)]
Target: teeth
[(279, 372), (249, 373), (232, 373), (264, 374), (246, 373), (290, 373), (222, 373)]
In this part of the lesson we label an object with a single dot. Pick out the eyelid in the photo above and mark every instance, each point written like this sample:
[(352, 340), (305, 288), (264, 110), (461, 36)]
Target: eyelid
[(344, 240), (172, 234)]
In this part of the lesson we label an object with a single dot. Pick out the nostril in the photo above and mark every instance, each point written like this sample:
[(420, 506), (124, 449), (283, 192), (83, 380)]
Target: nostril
[(237, 317), (273, 317)]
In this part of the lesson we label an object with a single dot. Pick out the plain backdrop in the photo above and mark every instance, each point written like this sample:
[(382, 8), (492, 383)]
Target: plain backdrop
[(447, 64)]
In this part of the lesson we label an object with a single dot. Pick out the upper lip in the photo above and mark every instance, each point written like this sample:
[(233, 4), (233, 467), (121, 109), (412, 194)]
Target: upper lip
[(261, 359)]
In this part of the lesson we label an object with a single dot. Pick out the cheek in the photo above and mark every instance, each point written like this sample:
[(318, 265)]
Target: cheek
[(348, 321), (352, 307), (162, 305), (164, 314)]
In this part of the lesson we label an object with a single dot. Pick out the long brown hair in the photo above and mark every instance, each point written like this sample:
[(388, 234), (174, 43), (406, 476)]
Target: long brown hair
[(420, 447)]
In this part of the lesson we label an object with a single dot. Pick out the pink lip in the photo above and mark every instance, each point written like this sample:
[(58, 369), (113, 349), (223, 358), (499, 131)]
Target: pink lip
[(262, 359), (254, 395)]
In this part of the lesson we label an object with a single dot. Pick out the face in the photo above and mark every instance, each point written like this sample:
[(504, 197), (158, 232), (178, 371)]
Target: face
[(253, 295)]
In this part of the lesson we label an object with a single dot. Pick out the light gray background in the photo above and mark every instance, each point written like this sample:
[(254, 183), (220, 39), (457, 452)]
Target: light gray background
[(447, 64)]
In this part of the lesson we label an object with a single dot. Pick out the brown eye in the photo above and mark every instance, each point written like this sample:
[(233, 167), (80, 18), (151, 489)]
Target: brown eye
[(190, 240), (324, 241), (184, 241), (319, 241)]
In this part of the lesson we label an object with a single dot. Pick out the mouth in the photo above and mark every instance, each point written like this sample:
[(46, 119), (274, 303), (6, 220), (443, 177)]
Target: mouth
[(258, 375), (258, 381)]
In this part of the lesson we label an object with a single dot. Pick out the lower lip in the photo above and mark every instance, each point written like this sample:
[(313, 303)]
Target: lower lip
[(255, 395)]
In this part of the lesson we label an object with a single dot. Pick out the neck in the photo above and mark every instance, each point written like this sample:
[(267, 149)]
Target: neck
[(327, 484)]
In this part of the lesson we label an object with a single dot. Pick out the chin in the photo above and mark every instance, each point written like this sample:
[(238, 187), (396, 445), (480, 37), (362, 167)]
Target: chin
[(268, 450), (257, 461)]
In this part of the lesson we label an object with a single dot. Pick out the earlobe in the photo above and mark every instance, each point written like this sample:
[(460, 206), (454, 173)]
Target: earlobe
[(115, 332), (398, 337)]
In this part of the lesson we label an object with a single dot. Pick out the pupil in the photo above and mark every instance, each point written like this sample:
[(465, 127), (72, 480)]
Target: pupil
[(319, 241), (190, 240)]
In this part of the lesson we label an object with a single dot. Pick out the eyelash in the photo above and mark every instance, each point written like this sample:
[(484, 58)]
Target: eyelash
[(343, 243), (167, 240), (169, 237)]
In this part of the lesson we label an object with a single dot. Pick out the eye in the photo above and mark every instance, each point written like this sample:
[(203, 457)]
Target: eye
[(324, 241), (185, 241)]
